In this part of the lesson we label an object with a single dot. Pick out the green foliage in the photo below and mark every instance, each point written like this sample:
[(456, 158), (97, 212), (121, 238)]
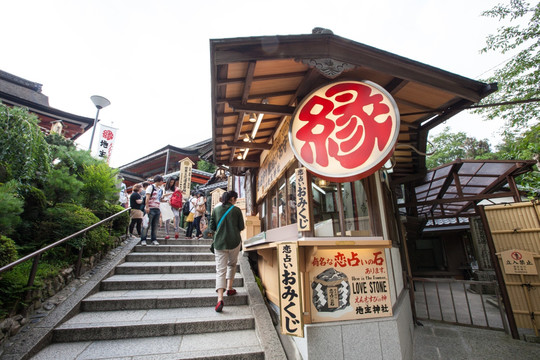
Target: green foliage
[(11, 207), (66, 219), (99, 185), (23, 149), (448, 146), (8, 251), (523, 145), (520, 76), (35, 202), (13, 284), (119, 225), (204, 165), (62, 186)]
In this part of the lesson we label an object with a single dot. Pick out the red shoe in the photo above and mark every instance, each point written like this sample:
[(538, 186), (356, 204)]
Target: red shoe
[(219, 306), (176, 235), (231, 292), (167, 237)]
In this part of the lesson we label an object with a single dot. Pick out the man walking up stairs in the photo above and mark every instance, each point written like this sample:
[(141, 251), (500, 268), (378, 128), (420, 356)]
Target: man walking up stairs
[(159, 304)]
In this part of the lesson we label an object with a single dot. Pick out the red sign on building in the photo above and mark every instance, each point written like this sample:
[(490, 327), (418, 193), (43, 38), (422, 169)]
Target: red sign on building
[(345, 131)]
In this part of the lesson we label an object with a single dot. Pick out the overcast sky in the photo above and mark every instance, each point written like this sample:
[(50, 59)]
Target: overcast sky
[(151, 58)]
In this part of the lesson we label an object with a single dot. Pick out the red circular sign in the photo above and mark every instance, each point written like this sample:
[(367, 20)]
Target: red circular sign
[(108, 135), (345, 131)]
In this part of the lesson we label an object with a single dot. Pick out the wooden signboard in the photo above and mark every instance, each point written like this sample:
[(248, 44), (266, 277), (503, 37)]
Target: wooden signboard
[(349, 284), (518, 262), (184, 183), (290, 294), (302, 200), (275, 163)]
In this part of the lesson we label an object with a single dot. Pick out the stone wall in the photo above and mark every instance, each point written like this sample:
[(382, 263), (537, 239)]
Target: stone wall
[(46, 298)]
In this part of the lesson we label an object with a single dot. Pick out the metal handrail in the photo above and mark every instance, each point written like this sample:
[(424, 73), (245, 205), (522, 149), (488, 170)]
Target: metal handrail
[(36, 255)]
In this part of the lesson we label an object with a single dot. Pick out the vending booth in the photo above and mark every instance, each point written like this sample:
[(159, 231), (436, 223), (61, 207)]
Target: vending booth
[(328, 134)]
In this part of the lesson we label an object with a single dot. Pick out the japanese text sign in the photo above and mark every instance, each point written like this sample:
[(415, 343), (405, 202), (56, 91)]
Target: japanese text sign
[(184, 182), (290, 295), (345, 131), (107, 137), (279, 157), (518, 262), (302, 200), (349, 284)]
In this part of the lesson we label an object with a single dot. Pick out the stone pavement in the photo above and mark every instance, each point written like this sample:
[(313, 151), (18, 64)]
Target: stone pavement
[(436, 340)]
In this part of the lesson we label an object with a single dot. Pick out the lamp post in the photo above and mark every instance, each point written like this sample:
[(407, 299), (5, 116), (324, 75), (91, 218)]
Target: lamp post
[(100, 103)]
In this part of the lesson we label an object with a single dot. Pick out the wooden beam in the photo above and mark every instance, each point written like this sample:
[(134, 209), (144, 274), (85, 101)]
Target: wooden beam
[(262, 78), (243, 163), (258, 96), (262, 108), (248, 145)]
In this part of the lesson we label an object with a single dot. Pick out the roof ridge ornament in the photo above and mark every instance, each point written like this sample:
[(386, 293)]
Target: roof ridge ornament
[(328, 67)]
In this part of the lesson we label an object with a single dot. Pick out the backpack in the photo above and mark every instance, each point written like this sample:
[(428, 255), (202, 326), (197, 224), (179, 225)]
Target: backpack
[(176, 199), (185, 209)]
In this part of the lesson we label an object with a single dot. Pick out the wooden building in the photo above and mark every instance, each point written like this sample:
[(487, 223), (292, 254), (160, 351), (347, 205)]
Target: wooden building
[(328, 239), (16, 91)]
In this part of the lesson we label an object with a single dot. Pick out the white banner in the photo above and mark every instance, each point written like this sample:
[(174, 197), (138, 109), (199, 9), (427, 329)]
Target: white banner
[(106, 140)]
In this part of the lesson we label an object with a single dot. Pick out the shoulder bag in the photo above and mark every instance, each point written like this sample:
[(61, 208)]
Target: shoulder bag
[(219, 225)]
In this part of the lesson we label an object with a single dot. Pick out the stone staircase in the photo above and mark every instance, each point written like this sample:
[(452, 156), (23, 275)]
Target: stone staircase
[(159, 304)]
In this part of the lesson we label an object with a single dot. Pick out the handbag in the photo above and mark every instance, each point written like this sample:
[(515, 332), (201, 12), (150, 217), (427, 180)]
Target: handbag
[(136, 214), (218, 226)]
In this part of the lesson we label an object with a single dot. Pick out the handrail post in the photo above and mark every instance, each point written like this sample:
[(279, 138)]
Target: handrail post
[(79, 263), (32, 277)]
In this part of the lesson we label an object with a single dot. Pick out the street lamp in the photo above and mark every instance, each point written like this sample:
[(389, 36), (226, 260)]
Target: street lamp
[(100, 103)]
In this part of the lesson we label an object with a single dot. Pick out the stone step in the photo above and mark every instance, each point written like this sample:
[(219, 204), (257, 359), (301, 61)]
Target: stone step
[(180, 241), (158, 299), (109, 325), (166, 267), (233, 345), (173, 248), (169, 256), (163, 281)]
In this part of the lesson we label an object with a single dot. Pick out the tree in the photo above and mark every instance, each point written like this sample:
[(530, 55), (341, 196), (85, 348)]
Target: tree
[(523, 145), (519, 78), (447, 147), (23, 149), (204, 165)]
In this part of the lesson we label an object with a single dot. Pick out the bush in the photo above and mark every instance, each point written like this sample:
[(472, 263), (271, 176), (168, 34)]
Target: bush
[(8, 251), (120, 223), (74, 218)]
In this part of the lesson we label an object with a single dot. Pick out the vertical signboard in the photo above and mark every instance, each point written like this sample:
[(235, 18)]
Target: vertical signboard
[(185, 175), (302, 201), (107, 137), (349, 284), (290, 294)]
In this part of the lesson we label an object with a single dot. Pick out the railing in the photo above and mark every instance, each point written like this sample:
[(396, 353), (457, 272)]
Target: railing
[(449, 300), (36, 255)]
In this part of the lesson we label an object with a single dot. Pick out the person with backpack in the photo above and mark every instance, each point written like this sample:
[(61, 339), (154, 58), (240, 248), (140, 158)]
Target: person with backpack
[(226, 223), (152, 209), (176, 205)]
